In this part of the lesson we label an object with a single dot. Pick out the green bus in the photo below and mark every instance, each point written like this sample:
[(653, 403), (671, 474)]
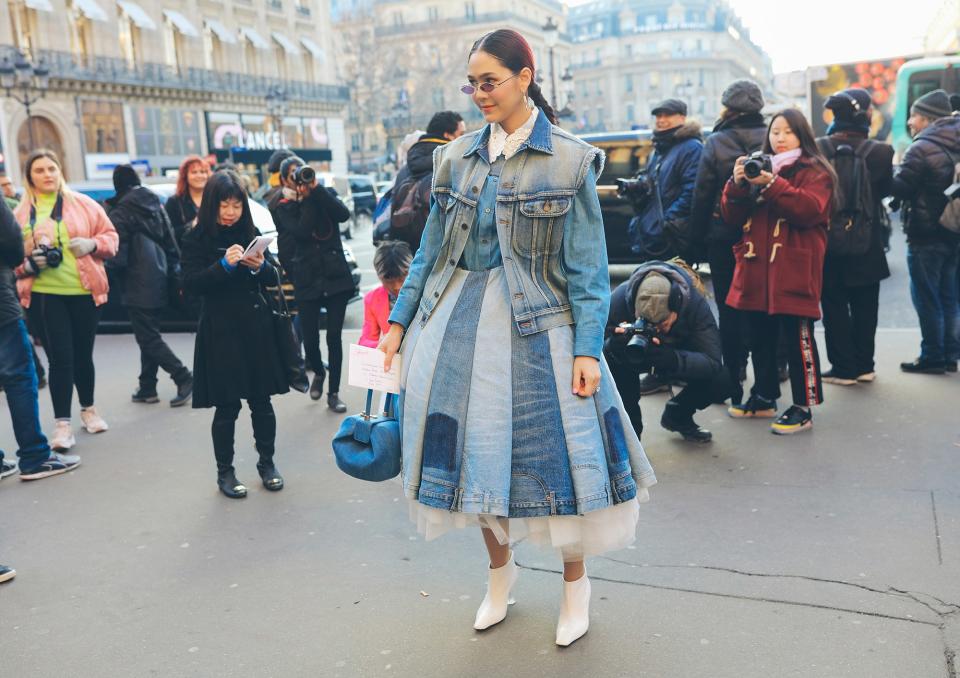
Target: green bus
[(914, 79)]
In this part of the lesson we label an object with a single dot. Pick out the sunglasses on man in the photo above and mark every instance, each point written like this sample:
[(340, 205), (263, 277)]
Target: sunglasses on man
[(485, 87)]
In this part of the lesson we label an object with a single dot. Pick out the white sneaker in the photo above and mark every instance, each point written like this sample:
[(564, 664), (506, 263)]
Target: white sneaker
[(92, 421), (867, 377), (62, 438)]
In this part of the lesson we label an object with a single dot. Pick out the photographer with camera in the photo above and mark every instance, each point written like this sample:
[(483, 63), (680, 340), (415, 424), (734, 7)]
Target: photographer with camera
[(660, 320), (62, 283), (782, 199), (662, 194), (308, 217)]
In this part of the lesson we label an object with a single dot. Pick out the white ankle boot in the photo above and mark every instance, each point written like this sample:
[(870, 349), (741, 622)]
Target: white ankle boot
[(574, 611), (493, 609)]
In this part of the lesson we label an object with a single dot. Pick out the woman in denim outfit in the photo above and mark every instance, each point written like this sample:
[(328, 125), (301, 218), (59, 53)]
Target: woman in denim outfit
[(509, 417)]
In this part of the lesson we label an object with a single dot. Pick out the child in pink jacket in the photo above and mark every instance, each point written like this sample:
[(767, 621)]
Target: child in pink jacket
[(392, 263)]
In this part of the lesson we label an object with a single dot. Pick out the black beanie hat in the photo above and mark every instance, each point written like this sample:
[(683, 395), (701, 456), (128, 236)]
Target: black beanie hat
[(955, 102), (935, 104), (849, 104), (277, 157), (125, 178), (743, 96)]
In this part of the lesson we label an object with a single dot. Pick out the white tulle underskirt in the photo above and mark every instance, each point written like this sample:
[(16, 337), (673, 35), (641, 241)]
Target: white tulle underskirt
[(576, 537)]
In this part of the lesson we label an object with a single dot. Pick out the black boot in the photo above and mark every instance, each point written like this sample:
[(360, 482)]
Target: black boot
[(678, 420), (335, 404), (272, 480), (229, 485), (316, 386), (184, 391)]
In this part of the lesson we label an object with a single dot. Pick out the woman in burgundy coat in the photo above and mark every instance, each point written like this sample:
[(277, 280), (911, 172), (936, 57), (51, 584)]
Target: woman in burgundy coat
[(779, 265)]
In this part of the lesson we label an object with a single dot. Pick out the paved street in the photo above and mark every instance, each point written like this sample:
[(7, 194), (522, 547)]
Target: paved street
[(826, 555)]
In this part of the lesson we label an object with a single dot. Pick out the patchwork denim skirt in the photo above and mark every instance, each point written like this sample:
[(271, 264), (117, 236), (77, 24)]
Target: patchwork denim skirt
[(493, 436)]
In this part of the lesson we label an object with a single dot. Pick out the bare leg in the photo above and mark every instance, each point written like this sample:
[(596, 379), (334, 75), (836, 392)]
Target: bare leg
[(499, 553), (573, 570)]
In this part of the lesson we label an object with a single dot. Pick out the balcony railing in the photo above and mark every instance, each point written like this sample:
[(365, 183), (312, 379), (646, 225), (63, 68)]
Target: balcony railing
[(110, 70), (276, 5), (451, 21), (303, 10)]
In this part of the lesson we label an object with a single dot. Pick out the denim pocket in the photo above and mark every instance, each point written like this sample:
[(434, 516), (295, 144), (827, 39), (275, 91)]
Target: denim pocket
[(539, 226)]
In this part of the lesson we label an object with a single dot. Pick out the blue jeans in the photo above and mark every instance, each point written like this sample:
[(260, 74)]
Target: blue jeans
[(934, 290), (19, 378)]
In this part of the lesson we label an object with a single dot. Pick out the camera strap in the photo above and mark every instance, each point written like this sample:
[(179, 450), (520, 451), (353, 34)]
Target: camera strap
[(56, 215)]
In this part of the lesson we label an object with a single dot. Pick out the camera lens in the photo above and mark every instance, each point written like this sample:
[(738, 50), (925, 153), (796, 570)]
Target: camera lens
[(54, 256), (305, 175), (752, 168)]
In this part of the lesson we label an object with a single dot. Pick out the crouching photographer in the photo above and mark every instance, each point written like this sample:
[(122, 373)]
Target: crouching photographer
[(660, 320)]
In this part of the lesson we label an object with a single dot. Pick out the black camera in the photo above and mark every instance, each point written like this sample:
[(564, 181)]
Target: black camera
[(756, 163), (54, 255), (637, 190), (304, 175), (642, 333)]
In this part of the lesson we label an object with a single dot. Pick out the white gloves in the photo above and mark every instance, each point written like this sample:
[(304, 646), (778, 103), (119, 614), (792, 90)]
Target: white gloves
[(81, 247)]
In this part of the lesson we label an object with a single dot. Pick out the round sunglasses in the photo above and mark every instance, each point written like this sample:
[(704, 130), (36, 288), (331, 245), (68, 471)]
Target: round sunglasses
[(485, 87)]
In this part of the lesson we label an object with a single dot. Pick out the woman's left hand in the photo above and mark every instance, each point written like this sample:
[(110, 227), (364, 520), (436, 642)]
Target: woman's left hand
[(81, 247), (253, 261), (586, 376), (762, 179)]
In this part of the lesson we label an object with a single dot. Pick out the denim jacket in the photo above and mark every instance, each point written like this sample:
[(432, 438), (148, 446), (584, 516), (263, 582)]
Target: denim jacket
[(549, 226)]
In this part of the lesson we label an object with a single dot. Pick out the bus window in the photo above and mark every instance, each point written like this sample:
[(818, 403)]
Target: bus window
[(921, 83)]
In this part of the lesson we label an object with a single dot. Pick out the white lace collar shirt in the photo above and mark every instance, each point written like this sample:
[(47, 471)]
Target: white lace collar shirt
[(509, 144)]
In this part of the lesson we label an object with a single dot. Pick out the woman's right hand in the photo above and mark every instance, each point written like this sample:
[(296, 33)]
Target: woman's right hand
[(234, 254), (390, 344), (738, 175)]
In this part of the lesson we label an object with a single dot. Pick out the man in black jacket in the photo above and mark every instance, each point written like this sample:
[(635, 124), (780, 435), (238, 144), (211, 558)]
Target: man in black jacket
[(933, 252), (664, 295), (148, 264), (308, 218), (851, 284), (17, 373), (739, 131), (409, 210)]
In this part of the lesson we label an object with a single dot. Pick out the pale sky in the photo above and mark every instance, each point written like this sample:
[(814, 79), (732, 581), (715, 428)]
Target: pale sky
[(831, 31)]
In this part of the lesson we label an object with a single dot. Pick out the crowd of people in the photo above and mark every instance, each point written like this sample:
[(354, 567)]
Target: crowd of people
[(495, 249)]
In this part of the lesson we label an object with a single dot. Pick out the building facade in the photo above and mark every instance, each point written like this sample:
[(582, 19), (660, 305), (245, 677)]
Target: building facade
[(943, 34), (629, 54), (406, 60), (151, 82)]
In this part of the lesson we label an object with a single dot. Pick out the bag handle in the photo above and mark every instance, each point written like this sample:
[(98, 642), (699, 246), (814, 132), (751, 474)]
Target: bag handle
[(388, 409)]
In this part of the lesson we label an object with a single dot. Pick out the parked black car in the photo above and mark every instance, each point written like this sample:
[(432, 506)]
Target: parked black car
[(627, 154), (364, 194), (183, 318)]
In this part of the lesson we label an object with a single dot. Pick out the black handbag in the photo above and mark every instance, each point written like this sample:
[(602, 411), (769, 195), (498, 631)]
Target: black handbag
[(288, 344)]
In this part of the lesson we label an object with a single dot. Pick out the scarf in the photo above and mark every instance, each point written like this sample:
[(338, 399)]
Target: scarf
[(785, 159), (860, 126), (663, 140)]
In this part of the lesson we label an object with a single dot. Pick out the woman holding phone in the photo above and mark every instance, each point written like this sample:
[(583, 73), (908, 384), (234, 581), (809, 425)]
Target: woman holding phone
[(236, 356)]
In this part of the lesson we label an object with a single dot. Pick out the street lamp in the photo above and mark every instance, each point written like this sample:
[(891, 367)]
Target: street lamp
[(277, 105), (551, 34), (21, 74), (566, 86)]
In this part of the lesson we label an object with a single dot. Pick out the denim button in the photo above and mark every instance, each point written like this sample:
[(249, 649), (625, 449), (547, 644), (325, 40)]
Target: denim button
[(474, 189), (484, 241), (436, 295), (452, 262), (487, 210), (464, 227)]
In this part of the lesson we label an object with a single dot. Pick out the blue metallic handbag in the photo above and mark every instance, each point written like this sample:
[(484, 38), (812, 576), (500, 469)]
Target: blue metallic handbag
[(368, 446)]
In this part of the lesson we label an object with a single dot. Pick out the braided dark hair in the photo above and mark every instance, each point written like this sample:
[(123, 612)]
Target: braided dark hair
[(513, 51)]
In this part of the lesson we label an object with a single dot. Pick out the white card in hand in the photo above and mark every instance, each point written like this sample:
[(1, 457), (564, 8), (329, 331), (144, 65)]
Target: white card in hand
[(258, 245), (366, 370)]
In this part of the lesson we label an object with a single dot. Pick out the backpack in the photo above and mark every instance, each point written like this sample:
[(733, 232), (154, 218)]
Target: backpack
[(410, 209), (950, 217), (850, 229)]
